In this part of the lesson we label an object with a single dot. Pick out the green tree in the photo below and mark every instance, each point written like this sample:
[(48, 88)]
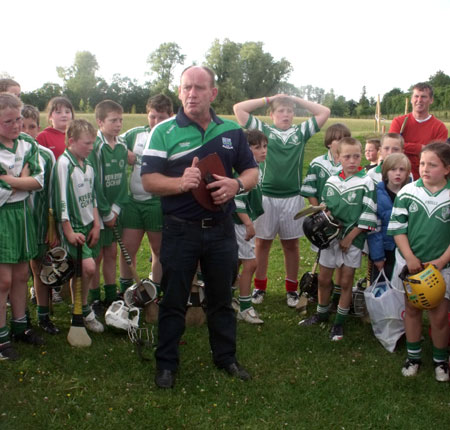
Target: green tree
[(162, 63), (364, 108), (439, 79), (40, 97), (80, 79)]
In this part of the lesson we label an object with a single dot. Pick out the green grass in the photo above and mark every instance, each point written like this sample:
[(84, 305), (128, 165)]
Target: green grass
[(300, 379)]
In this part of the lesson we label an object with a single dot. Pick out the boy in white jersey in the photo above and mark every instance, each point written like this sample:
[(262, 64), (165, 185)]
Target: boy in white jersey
[(20, 173), (320, 169), (420, 224), (351, 199), (282, 178), (143, 213), (76, 207)]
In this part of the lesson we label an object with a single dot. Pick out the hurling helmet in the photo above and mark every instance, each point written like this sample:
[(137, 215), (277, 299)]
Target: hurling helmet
[(320, 229), (119, 315), (426, 289), (57, 268), (140, 294)]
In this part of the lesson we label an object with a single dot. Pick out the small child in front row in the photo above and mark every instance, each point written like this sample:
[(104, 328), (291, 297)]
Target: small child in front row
[(248, 208), (391, 143), (350, 198), (371, 152), (109, 158), (75, 207), (395, 172), (420, 224), (320, 169)]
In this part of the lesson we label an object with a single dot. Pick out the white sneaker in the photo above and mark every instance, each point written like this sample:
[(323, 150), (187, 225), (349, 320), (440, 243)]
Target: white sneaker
[(292, 299), (250, 316), (93, 324), (441, 372), (258, 296), (411, 367), (56, 296)]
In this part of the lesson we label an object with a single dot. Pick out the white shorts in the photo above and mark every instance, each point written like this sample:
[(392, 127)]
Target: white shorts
[(246, 248), (333, 257), (278, 218), (400, 262)]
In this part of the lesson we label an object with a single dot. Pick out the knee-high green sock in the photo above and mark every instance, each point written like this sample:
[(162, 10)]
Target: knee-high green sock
[(125, 283), (440, 355), (19, 325), (4, 334), (110, 292), (336, 294), (341, 315), (322, 311), (42, 312), (94, 295), (245, 302), (414, 350), (86, 310)]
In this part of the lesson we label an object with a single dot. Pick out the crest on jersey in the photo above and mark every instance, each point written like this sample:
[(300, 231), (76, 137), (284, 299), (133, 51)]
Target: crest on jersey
[(330, 192), (322, 174), (227, 143), (413, 207), (445, 214)]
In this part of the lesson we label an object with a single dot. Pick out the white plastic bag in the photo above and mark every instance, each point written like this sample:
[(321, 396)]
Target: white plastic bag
[(386, 307)]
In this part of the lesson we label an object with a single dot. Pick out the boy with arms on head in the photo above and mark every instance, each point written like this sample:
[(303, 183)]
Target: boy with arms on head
[(20, 173), (281, 192), (391, 143), (248, 209), (75, 207), (109, 159), (143, 211), (350, 198)]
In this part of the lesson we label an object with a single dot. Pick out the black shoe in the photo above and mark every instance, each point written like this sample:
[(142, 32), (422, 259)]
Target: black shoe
[(29, 336), (237, 371), (99, 308), (164, 378), (7, 352), (47, 325)]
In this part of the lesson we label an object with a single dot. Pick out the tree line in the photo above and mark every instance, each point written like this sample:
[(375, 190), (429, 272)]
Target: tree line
[(243, 71)]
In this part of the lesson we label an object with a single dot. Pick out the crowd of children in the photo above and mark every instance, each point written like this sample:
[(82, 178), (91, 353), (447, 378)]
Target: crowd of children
[(82, 175)]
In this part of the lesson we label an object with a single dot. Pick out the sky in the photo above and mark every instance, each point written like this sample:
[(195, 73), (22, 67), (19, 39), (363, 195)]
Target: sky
[(341, 45)]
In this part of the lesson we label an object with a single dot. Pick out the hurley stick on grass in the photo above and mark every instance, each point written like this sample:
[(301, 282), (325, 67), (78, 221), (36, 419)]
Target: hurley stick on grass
[(78, 335)]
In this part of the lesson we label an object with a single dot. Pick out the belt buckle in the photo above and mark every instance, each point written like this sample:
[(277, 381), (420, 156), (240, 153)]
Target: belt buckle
[(207, 222)]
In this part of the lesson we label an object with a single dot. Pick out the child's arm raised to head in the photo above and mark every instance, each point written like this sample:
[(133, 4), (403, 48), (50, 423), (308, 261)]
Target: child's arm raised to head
[(322, 113), (243, 109)]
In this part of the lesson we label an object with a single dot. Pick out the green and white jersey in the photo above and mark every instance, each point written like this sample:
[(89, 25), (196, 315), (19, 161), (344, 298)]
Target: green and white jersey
[(249, 203), (74, 191), (136, 139), (282, 169), (320, 169), (110, 167), (40, 199), (424, 217), (375, 173), (352, 201), (12, 161)]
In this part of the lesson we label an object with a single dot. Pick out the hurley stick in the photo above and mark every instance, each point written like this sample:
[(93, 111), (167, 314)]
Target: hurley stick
[(78, 335)]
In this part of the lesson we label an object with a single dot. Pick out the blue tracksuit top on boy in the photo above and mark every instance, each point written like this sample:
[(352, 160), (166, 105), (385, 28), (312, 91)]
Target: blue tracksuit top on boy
[(380, 241)]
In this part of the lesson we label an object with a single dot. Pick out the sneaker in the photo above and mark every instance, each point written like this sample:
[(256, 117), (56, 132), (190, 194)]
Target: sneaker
[(28, 336), (250, 316), (92, 324), (7, 352), (441, 371), (47, 325), (411, 367), (258, 296), (56, 296), (292, 299), (235, 304), (312, 320), (99, 308), (33, 295), (337, 333)]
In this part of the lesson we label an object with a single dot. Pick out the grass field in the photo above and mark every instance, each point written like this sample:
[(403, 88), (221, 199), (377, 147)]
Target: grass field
[(300, 379)]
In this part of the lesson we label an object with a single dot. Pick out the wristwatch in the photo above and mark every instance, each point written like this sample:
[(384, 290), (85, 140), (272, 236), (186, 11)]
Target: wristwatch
[(241, 186)]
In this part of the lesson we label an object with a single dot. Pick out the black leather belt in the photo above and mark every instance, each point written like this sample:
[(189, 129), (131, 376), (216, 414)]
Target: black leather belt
[(203, 223)]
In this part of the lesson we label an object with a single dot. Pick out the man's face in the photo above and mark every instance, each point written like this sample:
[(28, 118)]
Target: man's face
[(421, 101), (196, 92)]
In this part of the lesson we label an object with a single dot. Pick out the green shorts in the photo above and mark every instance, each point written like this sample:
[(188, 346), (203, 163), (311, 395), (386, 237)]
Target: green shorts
[(42, 250), (87, 252), (17, 233), (143, 215), (107, 235)]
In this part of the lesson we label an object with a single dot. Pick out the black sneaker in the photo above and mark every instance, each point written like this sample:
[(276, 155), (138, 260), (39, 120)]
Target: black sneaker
[(99, 308), (312, 320), (47, 325), (337, 333), (28, 336), (7, 352)]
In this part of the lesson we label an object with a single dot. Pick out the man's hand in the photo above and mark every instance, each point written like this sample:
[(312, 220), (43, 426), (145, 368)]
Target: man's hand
[(191, 177)]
